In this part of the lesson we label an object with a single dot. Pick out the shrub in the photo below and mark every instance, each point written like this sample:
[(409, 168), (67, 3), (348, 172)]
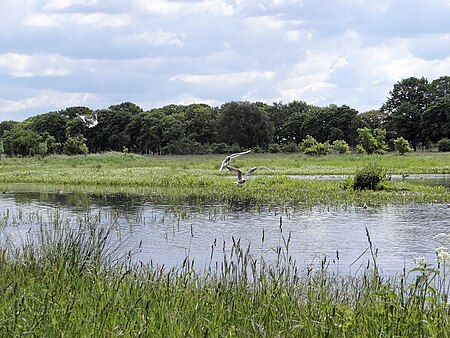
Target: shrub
[(360, 149), (372, 140), (340, 146), (274, 148), (444, 144), (308, 142), (75, 145), (289, 148), (370, 177), (402, 146)]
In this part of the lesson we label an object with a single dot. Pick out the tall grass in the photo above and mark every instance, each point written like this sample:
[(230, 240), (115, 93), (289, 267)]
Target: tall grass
[(68, 282)]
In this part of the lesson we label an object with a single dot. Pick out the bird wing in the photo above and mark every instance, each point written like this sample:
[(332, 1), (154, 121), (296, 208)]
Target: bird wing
[(250, 171), (239, 154), (236, 171), (229, 157), (225, 162)]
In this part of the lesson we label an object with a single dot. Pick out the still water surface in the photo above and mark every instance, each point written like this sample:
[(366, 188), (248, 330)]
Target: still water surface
[(165, 236)]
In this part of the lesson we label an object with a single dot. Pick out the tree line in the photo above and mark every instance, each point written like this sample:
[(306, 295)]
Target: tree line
[(416, 114)]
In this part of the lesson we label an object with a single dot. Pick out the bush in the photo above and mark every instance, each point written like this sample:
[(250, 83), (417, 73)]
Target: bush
[(340, 146), (289, 148), (75, 145), (370, 177), (274, 148), (402, 146), (444, 144), (360, 149), (308, 142)]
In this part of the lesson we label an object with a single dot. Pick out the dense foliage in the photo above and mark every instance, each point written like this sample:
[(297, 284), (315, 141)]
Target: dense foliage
[(416, 110)]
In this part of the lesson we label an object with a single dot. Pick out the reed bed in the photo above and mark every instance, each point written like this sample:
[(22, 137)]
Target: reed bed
[(69, 280)]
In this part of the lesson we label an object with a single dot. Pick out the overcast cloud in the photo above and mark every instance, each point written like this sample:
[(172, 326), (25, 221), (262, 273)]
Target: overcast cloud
[(60, 53)]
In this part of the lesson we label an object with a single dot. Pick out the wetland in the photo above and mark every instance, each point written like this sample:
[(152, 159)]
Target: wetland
[(177, 239)]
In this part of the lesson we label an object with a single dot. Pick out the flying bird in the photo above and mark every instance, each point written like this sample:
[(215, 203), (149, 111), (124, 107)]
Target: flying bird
[(240, 176), (230, 157), (91, 122)]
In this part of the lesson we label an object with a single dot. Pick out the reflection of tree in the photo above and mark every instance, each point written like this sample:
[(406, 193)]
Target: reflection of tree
[(127, 204)]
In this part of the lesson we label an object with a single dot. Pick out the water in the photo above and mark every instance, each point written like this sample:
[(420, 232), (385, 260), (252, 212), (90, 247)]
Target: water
[(425, 179), (399, 233)]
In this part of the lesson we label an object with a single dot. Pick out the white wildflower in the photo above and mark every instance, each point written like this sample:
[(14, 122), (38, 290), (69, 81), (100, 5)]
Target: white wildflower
[(421, 262), (443, 256)]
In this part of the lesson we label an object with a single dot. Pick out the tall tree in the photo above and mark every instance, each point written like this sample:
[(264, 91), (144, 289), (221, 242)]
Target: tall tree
[(287, 121), (200, 123), (244, 124), (373, 119), (411, 90), (22, 141), (436, 120), (406, 121), (53, 123), (440, 87), (333, 123)]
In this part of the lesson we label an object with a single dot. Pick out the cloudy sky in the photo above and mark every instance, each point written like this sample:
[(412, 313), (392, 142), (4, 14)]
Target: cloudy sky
[(56, 54)]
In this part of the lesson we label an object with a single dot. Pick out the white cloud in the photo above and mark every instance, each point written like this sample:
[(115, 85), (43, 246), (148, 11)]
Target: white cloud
[(63, 4), (21, 65), (309, 79), (263, 23), (46, 99), (166, 7), (94, 20), (156, 38), (225, 78)]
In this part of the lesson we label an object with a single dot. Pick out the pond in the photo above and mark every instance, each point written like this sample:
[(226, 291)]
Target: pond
[(167, 235)]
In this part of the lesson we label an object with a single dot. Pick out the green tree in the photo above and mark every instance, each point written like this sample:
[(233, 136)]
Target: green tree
[(373, 119), (110, 133), (406, 121), (51, 145), (245, 124), (287, 120), (52, 123), (411, 90), (200, 123), (440, 87), (332, 123), (7, 125), (436, 120), (21, 141)]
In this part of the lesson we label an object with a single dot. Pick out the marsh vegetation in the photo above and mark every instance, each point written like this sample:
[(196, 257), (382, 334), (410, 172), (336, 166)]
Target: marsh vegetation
[(70, 275)]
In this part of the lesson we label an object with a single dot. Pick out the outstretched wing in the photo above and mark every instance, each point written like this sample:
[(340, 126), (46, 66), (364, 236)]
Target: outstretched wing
[(236, 171), (239, 154), (251, 171), (229, 157)]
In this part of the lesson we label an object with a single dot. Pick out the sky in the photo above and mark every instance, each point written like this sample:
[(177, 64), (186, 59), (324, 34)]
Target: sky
[(56, 54)]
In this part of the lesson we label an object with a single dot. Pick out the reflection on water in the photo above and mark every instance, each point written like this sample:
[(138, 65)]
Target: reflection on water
[(425, 179), (168, 234)]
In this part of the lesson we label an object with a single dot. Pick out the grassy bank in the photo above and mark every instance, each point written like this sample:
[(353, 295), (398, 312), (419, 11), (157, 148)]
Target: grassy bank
[(177, 179), (66, 283)]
